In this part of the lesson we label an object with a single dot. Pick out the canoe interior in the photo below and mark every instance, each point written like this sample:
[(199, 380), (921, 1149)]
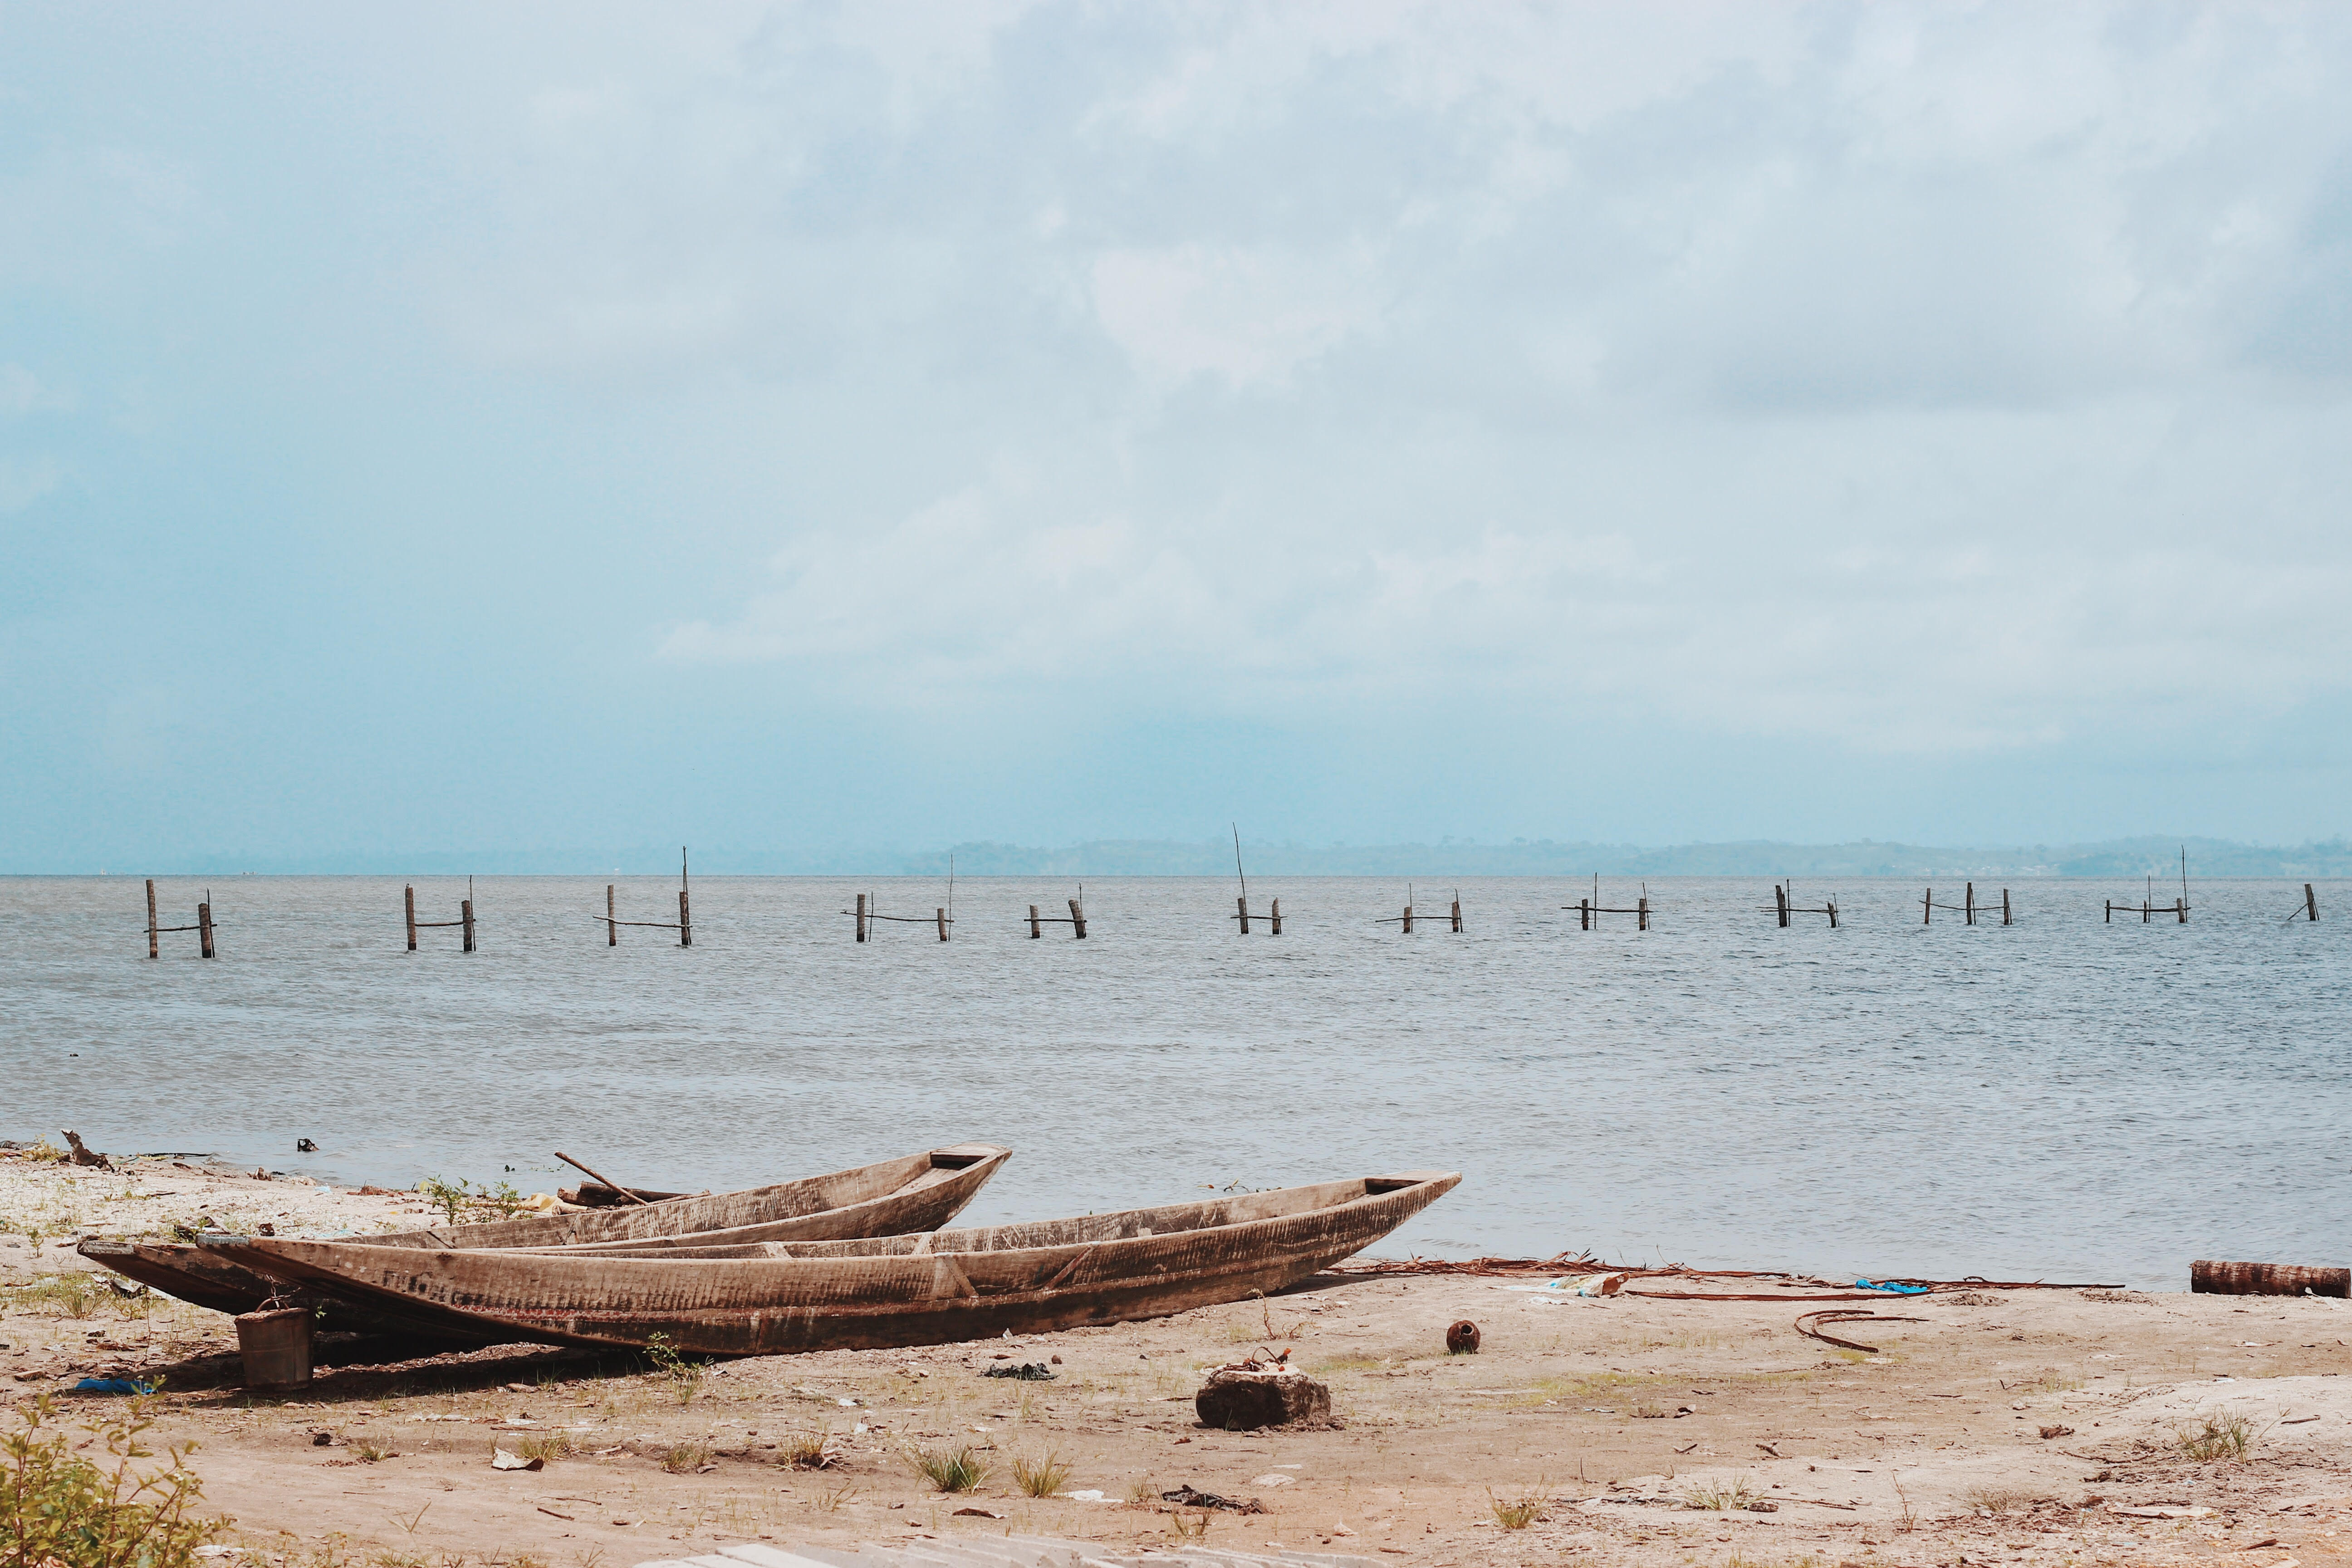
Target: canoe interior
[(1169, 1220), (712, 1212)]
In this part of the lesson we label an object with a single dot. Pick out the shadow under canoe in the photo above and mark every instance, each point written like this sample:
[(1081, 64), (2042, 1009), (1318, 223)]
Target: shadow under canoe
[(769, 1297), (912, 1193)]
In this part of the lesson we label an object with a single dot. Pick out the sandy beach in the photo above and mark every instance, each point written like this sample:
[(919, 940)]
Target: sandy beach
[(2017, 1425)]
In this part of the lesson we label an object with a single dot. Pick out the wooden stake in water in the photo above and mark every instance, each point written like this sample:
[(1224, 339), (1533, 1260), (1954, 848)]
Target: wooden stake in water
[(466, 915), (1036, 926), (861, 917), (411, 893), (205, 923), (1077, 920), (2310, 907), (612, 926), (1274, 918), (153, 952), (685, 915)]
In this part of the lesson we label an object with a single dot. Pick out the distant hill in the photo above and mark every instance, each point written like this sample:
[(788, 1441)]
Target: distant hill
[(2122, 857)]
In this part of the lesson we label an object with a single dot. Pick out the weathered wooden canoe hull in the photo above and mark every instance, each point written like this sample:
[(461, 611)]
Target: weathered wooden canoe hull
[(901, 1291), (913, 1193)]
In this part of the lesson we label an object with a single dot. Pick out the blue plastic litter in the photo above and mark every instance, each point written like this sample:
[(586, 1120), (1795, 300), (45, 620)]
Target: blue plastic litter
[(112, 1385), (1894, 1289)]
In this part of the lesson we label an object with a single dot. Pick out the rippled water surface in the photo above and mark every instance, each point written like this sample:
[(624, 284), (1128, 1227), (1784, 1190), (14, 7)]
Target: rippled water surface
[(2064, 1098)]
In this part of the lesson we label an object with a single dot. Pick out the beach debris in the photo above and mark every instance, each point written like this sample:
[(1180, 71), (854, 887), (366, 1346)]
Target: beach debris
[(1091, 1494), (2208, 1277), (305, 1146), (82, 1154), (2050, 1432), (1809, 1324), (1188, 1496), (1462, 1338), (500, 1459), (1253, 1393), (977, 1513), (2160, 1512), (1027, 1372), (1272, 1478), (113, 1385), (1601, 1284), (1893, 1286)]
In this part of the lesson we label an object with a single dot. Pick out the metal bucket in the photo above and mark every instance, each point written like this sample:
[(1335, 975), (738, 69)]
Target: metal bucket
[(276, 1347)]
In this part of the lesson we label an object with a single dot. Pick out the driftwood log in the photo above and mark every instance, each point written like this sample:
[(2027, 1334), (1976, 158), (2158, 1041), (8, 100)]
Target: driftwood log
[(2216, 1278)]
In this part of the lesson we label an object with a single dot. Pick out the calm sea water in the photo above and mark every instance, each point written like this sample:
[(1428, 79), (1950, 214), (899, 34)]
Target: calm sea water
[(2060, 1099)]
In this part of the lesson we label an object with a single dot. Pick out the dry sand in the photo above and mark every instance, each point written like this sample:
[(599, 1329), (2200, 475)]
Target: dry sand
[(1614, 1416)]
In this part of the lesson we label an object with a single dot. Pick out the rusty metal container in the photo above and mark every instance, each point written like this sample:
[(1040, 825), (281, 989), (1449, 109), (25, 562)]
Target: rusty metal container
[(276, 1347)]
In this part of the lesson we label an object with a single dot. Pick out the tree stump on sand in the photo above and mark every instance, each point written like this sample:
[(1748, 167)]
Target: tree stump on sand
[(1237, 1401), (1462, 1338)]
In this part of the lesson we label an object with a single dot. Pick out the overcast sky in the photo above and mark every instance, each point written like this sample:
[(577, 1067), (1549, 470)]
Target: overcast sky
[(881, 424)]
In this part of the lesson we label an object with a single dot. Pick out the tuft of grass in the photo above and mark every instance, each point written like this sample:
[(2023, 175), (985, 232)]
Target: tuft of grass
[(60, 1295), (1721, 1496), (59, 1507), (832, 1501), (1998, 1501), (1142, 1492), (1040, 1476), (956, 1470), (2226, 1435), (1188, 1527), (368, 1453), (807, 1450), (547, 1445), (1650, 1412), (1517, 1512), (686, 1457)]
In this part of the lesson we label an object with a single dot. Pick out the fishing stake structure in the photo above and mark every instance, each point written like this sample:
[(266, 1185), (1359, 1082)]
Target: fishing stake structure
[(683, 925), (465, 919), (1967, 908), (1406, 918), (1076, 923), (1784, 904), (2178, 908), (1274, 913), (200, 927), (1587, 908)]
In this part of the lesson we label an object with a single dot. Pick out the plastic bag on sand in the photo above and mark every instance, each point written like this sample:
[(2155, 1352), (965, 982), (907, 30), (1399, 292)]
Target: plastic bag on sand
[(113, 1385), (502, 1461)]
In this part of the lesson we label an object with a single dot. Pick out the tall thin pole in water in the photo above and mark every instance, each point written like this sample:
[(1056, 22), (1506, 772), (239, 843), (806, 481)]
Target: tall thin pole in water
[(1243, 876)]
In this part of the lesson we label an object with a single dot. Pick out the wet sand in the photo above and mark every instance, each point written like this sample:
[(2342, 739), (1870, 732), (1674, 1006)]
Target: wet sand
[(1638, 1430)]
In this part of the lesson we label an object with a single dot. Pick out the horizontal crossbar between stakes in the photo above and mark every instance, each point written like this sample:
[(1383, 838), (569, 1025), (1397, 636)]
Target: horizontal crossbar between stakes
[(608, 921), (436, 925), (161, 930), (908, 920), (1598, 911)]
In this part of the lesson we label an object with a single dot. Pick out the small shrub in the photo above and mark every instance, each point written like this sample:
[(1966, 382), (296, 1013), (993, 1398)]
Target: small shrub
[(1998, 1501), (1720, 1496), (684, 1376), (2223, 1436), (1517, 1512), (956, 1469), (56, 1507), (368, 1453), (807, 1450), (1040, 1476), (686, 1457)]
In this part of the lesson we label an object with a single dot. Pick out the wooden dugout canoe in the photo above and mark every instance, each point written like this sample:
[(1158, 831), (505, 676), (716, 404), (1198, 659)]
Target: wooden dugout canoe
[(912, 1193), (766, 1297)]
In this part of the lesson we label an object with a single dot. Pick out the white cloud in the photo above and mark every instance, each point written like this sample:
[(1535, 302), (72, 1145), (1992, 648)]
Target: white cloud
[(1248, 316)]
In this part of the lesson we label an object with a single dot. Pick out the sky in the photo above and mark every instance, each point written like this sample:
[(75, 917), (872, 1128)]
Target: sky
[(801, 426)]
